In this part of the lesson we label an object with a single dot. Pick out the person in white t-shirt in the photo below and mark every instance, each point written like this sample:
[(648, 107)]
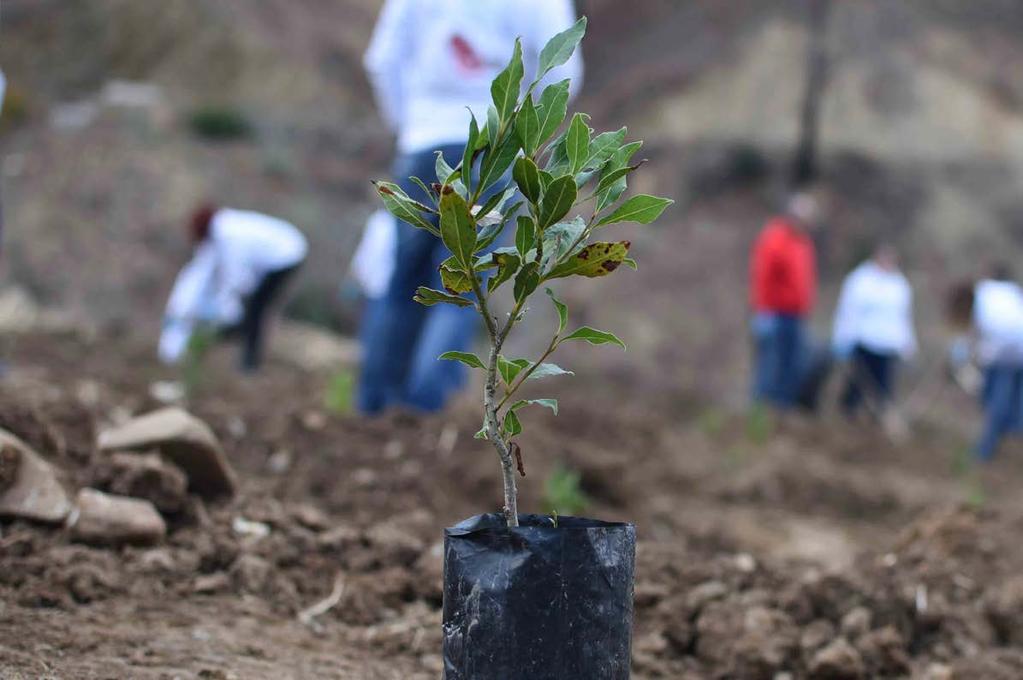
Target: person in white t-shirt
[(990, 312), (430, 64), (873, 328), (241, 263)]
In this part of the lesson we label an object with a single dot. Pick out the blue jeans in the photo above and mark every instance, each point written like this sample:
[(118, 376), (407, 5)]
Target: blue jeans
[(402, 339), (779, 356), (871, 375), (1003, 406)]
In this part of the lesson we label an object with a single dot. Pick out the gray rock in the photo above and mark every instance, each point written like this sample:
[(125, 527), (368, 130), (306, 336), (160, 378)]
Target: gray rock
[(29, 487), (838, 661), (146, 476), (182, 439), (104, 519)]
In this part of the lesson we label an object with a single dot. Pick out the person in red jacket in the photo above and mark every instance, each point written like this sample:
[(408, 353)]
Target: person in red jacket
[(783, 290)]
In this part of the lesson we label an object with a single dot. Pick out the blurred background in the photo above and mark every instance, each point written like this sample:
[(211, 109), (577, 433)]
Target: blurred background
[(122, 114)]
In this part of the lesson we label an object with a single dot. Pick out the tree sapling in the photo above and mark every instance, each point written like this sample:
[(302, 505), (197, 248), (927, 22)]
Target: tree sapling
[(562, 190)]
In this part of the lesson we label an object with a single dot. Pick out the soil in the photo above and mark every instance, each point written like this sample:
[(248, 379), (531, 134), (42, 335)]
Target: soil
[(769, 548)]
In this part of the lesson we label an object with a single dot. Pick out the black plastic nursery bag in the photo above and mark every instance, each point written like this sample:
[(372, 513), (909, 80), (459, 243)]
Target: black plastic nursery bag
[(538, 602)]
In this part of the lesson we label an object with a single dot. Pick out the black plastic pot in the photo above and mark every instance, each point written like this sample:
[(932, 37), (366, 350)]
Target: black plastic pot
[(538, 602)]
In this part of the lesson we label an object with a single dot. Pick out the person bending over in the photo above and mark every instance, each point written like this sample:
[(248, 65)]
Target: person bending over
[(240, 265)]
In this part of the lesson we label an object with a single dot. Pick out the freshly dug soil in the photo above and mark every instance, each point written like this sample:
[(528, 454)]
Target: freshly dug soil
[(821, 551)]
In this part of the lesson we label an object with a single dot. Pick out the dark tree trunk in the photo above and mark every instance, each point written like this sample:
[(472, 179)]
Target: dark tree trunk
[(804, 169)]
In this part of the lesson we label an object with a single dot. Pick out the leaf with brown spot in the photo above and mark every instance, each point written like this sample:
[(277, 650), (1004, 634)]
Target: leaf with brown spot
[(596, 259)]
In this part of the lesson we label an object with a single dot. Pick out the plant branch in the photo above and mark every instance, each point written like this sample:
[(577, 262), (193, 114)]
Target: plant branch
[(524, 376), (490, 418)]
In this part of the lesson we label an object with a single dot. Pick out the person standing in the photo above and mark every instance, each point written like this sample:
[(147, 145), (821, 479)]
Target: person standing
[(873, 330), (430, 64), (240, 266), (998, 323), (783, 291)]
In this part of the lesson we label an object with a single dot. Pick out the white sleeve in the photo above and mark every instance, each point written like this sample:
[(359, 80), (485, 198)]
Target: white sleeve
[(547, 18), (386, 59), (193, 287)]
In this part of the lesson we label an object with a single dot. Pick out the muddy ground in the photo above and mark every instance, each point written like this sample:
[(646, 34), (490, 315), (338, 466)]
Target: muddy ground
[(768, 549)]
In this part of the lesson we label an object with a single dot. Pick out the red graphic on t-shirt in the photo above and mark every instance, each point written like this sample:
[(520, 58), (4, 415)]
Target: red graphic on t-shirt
[(465, 55)]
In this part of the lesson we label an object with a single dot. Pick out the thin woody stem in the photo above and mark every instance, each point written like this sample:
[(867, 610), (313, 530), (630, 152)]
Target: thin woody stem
[(490, 418)]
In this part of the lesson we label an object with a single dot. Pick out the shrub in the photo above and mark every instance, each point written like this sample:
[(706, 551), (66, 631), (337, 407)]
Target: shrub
[(219, 123)]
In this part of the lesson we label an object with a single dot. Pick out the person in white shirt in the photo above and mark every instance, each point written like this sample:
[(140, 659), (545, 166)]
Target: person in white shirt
[(430, 64), (241, 263), (992, 309), (873, 329)]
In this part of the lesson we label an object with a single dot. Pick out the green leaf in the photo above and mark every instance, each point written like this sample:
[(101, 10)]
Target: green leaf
[(457, 229), (493, 125), (527, 177), (445, 173), (430, 297), (497, 162), (594, 337), (619, 160), (552, 404), (495, 202), (404, 208), (510, 368), (603, 147), (467, 358), (609, 179), (512, 426), (455, 279), (596, 259), (526, 281), (548, 371), (643, 209), (507, 261), (558, 163), (481, 433), (558, 240), (558, 200), (562, 311), (488, 234), (630, 263), (559, 49), (577, 143), (552, 109), (470, 150), (525, 235), (508, 85), (527, 126), (430, 195), (546, 180)]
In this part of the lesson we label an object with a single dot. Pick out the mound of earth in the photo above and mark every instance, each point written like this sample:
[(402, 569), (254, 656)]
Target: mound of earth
[(758, 558)]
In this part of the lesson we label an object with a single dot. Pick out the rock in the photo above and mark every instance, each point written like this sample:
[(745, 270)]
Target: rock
[(211, 583), (819, 633), (181, 438), (250, 573), (856, 622), (838, 661), (105, 519), (310, 517), (145, 476), (156, 561), (884, 652), (29, 488), (706, 592)]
